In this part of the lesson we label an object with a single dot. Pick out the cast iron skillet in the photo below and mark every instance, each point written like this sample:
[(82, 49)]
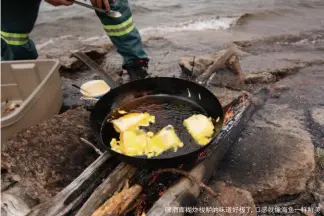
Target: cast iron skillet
[(170, 100)]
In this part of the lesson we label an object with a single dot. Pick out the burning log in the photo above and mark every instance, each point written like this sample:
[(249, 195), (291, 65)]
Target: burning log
[(119, 203), (109, 186), (184, 193), (75, 193)]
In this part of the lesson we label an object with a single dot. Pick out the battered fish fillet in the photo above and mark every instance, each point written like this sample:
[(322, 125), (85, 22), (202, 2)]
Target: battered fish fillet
[(200, 128), (132, 121), (164, 140), (132, 143), (138, 142)]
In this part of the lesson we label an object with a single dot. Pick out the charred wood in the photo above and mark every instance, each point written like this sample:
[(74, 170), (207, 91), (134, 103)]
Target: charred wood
[(119, 202), (109, 186)]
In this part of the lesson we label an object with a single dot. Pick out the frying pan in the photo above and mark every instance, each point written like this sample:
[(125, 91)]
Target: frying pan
[(170, 100)]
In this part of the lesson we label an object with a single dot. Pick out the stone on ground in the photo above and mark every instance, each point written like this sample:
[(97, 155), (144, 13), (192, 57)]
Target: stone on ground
[(252, 78), (318, 115), (47, 157), (274, 157)]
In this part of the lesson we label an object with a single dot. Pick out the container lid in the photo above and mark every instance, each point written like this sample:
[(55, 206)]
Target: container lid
[(94, 88)]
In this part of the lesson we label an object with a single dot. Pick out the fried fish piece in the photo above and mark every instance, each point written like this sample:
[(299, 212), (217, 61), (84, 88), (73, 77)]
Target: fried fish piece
[(200, 127), (132, 121), (164, 140), (132, 142)]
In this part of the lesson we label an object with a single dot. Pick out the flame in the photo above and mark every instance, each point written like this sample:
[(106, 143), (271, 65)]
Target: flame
[(229, 113), (203, 154), (143, 214), (155, 176)]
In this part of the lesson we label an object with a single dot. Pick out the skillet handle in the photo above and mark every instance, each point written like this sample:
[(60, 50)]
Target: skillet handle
[(112, 80)]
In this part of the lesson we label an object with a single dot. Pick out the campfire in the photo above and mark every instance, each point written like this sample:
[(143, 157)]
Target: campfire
[(139, 191)]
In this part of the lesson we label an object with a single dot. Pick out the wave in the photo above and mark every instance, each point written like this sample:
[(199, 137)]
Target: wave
[(197, 25), (265, 14), (142, 9)]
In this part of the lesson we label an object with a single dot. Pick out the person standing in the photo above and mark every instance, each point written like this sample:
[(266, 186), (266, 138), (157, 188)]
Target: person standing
[(18, 18)]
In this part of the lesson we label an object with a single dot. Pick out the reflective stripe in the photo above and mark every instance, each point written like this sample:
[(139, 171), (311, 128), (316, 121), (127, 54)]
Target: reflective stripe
[(15, 35), (14, 38), (120, 29)]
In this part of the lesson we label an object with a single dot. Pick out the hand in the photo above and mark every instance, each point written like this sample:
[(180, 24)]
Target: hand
[(99, 3), (59, 2)]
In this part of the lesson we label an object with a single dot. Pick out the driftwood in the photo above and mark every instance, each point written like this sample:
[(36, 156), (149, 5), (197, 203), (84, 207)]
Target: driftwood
[(109, 186), (222, 69), (13, 205), (118, 204), (184, 193), (221, 61), (75, 193)]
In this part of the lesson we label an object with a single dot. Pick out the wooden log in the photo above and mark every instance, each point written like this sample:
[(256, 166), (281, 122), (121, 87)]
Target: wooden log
[(46, 157), (13, 205), (184, 193), (225, 63), (108, 187), (118, 204), (221, 62), (71, 196)]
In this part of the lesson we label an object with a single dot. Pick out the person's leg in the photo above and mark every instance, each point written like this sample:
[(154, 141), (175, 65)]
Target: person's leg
[(127, 39), (17, 21)]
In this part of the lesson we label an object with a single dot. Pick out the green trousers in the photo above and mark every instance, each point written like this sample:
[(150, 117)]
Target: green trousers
[(19, 16)]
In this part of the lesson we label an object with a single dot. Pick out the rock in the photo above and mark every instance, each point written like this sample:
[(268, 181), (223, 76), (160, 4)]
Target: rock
[(201, 64), (281, 88), (69, 62), (318, 115), (252, 78), (232, 200), (275, 156), (225, 95), (48, 156)]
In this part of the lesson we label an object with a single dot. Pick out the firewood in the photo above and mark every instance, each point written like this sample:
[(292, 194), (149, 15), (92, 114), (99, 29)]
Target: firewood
[(109, 186), (118, 204), (193, 179)]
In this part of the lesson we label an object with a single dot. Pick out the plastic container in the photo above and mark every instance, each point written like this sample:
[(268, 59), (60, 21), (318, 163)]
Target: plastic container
[(34, 85), (94, 89)]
